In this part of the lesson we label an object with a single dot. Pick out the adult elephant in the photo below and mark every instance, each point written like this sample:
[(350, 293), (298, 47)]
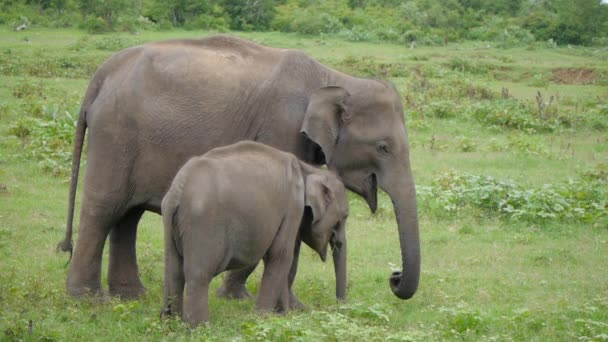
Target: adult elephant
[(150, 108)]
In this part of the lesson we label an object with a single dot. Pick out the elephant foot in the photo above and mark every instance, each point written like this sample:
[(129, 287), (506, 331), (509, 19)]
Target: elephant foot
[(127, 291), (295, 304), (81, 290), (233, 291), (166, 313), (86, 292)]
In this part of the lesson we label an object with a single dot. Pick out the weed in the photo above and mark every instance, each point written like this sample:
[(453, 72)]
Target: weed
[(25, 88), (464, 144), (526, 143), (368, 67), (511, 113), (440, 110), (326, 326), (114, 43), (573, 200), (48, 139)]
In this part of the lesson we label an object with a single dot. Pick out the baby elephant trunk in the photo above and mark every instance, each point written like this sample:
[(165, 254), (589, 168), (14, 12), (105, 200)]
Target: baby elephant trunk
[(338, 246)]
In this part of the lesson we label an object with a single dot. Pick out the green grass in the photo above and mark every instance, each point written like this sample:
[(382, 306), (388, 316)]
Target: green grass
[(484, 277)]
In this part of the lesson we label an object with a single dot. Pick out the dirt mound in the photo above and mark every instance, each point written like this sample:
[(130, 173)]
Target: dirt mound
[(573, 76)]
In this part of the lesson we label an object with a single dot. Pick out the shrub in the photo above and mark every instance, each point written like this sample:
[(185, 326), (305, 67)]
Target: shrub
[(440, 110), (26, 89), (49, 139), (513, 36), (114, 43), (208, 22), (95, 25), (367, 66), (465, 144), (511, 113), (356, 34), (581, 200)]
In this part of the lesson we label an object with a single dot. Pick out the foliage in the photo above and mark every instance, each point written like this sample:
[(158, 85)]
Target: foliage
[(423, 22), (585, 200), (510, 113), (95, 25), (44, 66), (48, 139), (348, 323), (107, 10), (250, 15)]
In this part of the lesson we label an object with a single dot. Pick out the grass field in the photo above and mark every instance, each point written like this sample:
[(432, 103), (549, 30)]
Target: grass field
[(534, 268)]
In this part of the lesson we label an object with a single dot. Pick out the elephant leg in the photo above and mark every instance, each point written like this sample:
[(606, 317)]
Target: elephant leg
[(196, 304), (233, 286), (84, 275), (294, 303), (274, 294), (123, 274), (174, 279)]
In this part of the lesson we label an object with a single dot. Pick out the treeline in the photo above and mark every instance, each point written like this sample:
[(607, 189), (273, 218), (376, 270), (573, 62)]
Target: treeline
[(427, 22)]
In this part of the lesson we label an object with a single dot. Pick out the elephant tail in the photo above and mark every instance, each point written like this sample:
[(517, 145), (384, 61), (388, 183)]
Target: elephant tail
[(81, 126)]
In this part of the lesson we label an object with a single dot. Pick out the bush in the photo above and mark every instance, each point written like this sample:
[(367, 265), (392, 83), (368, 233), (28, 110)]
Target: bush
[(511, 113), (366, 66), (114, 43), (208, 22), (581, 200), (49, 139), (513, 36), (309, 22), (440, 110), (95, 25), (356, 34)]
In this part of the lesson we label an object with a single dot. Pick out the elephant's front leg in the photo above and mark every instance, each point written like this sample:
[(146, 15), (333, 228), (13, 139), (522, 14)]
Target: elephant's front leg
[(123, 274), (233, 286)]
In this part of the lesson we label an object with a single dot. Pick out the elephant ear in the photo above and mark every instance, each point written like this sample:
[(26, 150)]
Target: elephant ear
[(325, 113), (318, 196)]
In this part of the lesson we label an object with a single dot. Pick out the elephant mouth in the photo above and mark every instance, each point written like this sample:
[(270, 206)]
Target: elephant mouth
[(366, 187), (371, 195)]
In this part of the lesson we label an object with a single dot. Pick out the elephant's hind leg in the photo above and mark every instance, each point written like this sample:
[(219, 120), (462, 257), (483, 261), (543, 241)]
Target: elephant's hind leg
[(84, 276), (173, 295), (123, 274), (233, 286)]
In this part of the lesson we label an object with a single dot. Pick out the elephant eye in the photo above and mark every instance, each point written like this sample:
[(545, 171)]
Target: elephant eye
[(382, 147)]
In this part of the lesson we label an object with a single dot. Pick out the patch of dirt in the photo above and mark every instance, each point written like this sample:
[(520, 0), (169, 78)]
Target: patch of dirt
[(573, 76)]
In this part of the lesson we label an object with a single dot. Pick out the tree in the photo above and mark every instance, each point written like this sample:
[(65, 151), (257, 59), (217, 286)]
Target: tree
[(250, 14), (108, 10)]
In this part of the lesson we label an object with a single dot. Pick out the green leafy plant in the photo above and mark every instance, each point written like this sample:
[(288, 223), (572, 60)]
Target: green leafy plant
[(48, 139), (572, 200), (465, 144), (511, 113)]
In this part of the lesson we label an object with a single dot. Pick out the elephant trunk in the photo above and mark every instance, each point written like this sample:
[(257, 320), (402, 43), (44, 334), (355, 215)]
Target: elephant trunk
[(338, 245), (400, 187)]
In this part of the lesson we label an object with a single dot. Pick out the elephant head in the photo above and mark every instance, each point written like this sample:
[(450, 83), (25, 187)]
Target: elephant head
[(361, 134), (327, 205)]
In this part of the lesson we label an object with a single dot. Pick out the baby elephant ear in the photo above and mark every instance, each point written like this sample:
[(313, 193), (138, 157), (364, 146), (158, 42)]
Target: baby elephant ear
[(318, 196), (323, 117)]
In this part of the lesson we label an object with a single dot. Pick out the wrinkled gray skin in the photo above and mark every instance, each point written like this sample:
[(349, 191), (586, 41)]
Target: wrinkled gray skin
[(239, 204), (150, 108)]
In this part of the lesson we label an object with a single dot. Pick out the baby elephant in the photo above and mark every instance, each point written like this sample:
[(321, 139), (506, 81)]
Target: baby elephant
[(236, 205)]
